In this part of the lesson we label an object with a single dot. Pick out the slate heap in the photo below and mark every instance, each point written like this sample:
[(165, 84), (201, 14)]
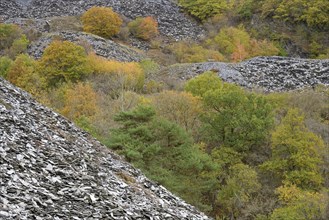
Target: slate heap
[(172, 22), (267, 73), (102, 47), (51, 169)]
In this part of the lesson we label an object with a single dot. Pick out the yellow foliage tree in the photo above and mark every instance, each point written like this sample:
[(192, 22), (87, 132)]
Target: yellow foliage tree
[(23, 73), (63, 61), (101, 21), (125, 76), (180, 107), (80, 100)]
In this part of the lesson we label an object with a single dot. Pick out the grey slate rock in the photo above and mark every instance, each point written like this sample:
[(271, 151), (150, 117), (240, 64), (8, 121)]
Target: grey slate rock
[(102, 47), (267, 73), (50, 169), (172, 22)]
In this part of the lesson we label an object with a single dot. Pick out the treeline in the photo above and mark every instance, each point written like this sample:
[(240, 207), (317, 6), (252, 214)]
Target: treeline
[(302, 23), (235, 154)]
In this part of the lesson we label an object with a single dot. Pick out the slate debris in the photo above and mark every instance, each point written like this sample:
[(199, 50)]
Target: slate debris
[(284, 73), (102, 47), (50, 169), (267, 73), (172, 21)]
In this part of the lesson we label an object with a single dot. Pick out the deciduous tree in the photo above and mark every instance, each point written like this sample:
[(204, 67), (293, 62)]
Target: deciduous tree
[(101, 21)]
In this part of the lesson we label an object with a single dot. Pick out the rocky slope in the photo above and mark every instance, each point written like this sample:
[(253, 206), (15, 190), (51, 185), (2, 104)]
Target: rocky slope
[(102, 47), (172, 22), (50, 169), (268, 73)]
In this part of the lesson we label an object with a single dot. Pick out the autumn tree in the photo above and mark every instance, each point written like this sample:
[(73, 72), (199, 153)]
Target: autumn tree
[(296, 203), (180, 107), (200, 84), (204, 9), (101, 21), (5, 63), (63, 61), (241, 183), (8, 34), (23, 73), (295, 153), (18, 46), (80, 100), (187, 52), (144, 28), (117, 77)]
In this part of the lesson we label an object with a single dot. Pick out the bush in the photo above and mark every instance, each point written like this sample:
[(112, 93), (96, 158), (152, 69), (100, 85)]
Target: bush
[(23, 73), (101, 21), (63, 61), (194, 53), (5, 63), (116, 76), (8, 34), (236, 44), (19, 46), (144, 28)]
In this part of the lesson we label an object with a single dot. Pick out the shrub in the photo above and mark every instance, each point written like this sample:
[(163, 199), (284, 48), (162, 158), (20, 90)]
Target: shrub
[(63, 61), (5, 63), (116, 75), (236, 44), (144, 28), (194, 53), (80, 100), (204, 9), (101, 21), (23, 73), (19, 46), (8, 34)]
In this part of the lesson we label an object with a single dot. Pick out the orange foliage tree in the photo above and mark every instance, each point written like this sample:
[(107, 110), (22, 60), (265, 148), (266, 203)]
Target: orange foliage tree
[(101, 21), (80, 100), (144, 28)]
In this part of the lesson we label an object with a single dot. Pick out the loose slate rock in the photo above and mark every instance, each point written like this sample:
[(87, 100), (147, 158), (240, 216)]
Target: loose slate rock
[(102, 47), (172, 21), (50, 169), (267, 73)]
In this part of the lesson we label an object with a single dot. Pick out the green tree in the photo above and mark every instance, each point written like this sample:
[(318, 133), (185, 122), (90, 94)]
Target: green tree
[(19, 46), (295, 153), (101, 21), (63, 61), (204, 9), (241, 183), (300, 204), (5, 63), (199, 85), (163, 150), (8, 34)]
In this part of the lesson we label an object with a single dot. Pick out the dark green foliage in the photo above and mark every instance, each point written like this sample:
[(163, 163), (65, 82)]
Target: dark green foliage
[(163, 150)]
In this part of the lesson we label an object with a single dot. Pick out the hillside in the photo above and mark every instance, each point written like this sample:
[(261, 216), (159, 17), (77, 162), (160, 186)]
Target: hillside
[(173, 23), (50, 169), (153, 105)]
